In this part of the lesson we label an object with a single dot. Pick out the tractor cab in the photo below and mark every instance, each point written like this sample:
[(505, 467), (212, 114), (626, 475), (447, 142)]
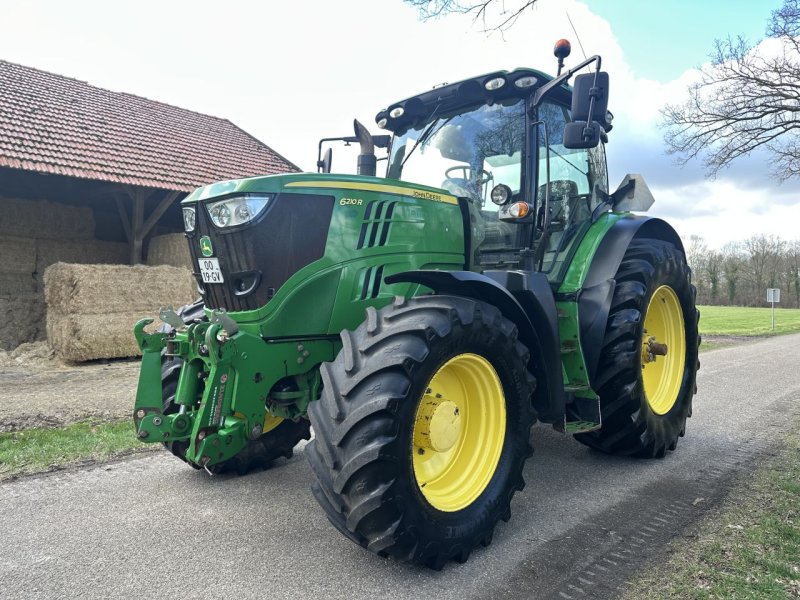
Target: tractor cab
[(501, 143)]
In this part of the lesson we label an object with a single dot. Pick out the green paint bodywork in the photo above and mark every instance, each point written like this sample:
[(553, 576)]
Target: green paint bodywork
[(228, 382), (576, 377), (231, 383)]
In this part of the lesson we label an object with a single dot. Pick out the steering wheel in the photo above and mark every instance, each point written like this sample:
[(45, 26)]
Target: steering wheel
[(484, 176)]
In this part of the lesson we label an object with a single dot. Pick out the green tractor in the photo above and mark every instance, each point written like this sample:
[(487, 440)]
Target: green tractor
[(423, 321)]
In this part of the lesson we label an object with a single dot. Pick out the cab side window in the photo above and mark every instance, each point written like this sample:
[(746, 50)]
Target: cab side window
[(577, 184)]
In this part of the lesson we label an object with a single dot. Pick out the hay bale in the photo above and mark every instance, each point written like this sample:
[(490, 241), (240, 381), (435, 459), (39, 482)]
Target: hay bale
[(49, 252), (103, 289), (17, 255), (91, 309), (170, 249), (21, 319), (78, 338), (14, 284), (42, 219)]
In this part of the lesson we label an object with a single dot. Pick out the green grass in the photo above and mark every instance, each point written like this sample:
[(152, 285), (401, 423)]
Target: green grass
[(737, 320), (37, 450), (750, 549)]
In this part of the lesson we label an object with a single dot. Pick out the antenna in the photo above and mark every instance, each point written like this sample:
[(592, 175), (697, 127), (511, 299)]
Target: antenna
[(577, 37)]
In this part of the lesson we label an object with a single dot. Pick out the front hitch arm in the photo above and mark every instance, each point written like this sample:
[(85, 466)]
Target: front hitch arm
[(152, 425)]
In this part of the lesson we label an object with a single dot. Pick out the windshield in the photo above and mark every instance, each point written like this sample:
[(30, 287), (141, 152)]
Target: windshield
[(466, 154)]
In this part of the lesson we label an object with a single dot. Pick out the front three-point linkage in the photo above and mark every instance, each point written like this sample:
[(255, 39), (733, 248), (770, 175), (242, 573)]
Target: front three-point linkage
[(214, 364)]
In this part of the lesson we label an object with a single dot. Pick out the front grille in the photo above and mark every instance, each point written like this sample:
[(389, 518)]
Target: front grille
[(257, 259)]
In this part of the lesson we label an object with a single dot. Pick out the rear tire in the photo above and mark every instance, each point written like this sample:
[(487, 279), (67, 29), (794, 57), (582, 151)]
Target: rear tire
[(633, 424), (276, 443), (370, 454)]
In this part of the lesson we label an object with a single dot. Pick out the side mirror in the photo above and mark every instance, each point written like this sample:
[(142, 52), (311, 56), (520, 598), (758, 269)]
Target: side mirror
[(589, 111), (580, 134), (582, 92), (324, 165)]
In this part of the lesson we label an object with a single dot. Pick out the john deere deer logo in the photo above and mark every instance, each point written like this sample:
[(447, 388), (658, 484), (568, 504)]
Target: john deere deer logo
[(206, 248)]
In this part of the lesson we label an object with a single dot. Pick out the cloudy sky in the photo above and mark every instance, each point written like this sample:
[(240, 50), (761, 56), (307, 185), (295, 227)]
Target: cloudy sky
[(292, 72)]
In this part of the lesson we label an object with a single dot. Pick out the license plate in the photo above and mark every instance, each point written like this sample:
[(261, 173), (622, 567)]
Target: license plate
[(210, 271)]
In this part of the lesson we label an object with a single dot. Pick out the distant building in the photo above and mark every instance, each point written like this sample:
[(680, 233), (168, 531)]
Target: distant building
[(90, 175)]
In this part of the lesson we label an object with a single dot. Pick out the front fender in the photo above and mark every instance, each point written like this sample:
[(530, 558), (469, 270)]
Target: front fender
[(597, 289), (526, 299)]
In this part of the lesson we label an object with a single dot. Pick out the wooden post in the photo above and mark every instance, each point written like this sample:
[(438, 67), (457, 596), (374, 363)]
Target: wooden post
[(137, 219), (136, 227)]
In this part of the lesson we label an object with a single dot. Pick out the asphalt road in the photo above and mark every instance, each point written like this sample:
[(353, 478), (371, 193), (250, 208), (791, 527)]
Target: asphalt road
[(152, 527)]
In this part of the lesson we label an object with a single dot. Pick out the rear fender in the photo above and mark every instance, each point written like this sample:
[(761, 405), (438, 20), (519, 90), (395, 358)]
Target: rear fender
[(597, 291), (526, 299)]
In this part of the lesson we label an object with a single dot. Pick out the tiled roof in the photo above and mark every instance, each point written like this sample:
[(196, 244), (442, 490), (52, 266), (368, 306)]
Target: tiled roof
[(55, 124)]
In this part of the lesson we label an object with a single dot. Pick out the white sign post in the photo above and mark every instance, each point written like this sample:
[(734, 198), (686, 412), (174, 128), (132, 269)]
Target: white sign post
[(774, 297)]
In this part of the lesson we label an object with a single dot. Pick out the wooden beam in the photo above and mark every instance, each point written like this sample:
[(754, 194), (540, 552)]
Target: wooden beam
[(107, 190), (123, 216), (158, 212)]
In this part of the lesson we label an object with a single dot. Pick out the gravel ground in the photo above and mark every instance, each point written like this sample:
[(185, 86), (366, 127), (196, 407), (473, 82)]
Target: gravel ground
[(41, 391)]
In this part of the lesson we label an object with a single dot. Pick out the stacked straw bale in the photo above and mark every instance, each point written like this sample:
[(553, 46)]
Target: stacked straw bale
[(33, 235), (91, 309), (170, 249), (42, 219)]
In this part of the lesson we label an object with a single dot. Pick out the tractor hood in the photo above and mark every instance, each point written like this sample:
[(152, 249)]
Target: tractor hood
[(249, 237)]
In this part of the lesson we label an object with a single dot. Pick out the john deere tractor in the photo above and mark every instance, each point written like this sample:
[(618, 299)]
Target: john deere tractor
[(421, 322)]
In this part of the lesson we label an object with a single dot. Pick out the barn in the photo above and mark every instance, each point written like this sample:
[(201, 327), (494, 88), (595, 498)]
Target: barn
[(89, 175)]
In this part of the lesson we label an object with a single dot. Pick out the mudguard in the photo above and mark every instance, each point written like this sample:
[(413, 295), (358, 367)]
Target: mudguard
[(526, 299), (594, 300)]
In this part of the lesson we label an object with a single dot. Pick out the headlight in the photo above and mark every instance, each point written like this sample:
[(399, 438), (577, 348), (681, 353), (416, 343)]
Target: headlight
[(501, 194), (188, 219), (238, 210)]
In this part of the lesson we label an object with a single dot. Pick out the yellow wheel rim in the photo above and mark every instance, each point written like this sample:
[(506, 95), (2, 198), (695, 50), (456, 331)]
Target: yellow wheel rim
[(663, 350), (271, 423), (459, 430)]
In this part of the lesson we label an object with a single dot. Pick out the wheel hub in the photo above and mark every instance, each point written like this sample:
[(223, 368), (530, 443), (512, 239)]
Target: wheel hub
[(439, 424), (652, 348)]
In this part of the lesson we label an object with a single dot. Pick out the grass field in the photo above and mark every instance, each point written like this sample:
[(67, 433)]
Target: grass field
[(737, 320), (37, 450)]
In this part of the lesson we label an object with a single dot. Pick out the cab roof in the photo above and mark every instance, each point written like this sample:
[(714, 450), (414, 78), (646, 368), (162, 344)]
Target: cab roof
[(519, 83)]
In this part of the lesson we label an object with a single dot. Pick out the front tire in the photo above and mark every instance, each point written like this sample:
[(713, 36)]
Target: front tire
[(646, 396), (423, 429)]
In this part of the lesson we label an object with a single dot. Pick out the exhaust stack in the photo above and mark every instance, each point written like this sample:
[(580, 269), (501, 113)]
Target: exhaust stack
[(367, 162)]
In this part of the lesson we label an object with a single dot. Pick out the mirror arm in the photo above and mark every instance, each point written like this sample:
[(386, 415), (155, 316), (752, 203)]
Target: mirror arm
[(553, 83), (346, 139)]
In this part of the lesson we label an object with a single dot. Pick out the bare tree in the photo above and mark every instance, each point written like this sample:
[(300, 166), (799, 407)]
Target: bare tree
[(731, 267), (747, 98), (509, 10), (696, 255), (713, 272), (793, 270)]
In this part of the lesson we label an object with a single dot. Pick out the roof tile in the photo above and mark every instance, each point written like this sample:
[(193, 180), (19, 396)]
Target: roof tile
[(55, 124)]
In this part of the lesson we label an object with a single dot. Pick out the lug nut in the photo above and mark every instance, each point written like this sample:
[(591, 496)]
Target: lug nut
[(140, 413), (143, 434)]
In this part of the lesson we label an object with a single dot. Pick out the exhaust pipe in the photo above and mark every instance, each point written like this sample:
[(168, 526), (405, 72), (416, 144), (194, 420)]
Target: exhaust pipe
[(367, 162)]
